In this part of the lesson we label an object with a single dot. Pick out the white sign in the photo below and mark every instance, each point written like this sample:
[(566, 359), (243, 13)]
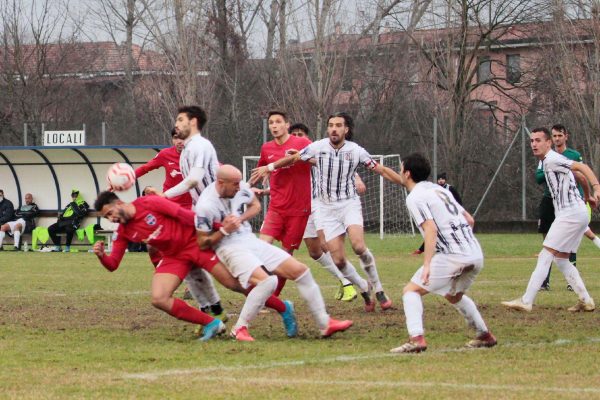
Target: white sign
[(64, 138)]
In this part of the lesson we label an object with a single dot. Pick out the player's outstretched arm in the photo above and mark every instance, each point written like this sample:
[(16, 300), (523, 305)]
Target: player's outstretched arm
[(261, 172), (111, 262), (195, 176), (469, 218), (388, 173)]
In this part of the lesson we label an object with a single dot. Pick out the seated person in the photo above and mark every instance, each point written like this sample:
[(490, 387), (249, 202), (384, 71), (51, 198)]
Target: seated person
[(7, 212), (68, 221), (23, 222)]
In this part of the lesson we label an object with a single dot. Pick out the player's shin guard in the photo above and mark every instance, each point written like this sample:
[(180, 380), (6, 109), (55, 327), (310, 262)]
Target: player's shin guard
[(17, 238), (467, 308), (272, 302), (573, 278), (537, 277), (367, 262), (327, 262), (310, 292), (2, 234), (183, 311), (280, 284), (202, 288), (255, 301), (413, 311), (350, 273)]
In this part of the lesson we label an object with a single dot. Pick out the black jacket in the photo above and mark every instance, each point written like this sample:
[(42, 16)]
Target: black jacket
[(29, 213), (7, 211)]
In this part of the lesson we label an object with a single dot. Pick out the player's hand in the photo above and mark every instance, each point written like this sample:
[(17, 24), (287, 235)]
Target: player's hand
[(148, 190), (231, 223), (289, 152), (595, 198), (258, 174), (99, 248), (592, 202), (361, 188), (425, 275), (258, 192)]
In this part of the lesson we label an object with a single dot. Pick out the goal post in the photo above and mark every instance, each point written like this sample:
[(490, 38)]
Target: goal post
[(384, 206)]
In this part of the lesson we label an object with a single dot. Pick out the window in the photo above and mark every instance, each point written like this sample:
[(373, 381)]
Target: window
[(484, 70), (513, 68)]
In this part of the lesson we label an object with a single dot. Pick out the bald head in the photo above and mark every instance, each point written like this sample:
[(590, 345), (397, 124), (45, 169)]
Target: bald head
[(28, 198), (229, 172), (228, 181)]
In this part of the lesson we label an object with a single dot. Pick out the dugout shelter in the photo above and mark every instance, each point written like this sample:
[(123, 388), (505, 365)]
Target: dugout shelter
[(49, 174)]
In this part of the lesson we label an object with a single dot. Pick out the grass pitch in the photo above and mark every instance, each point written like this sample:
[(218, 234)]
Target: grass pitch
[(70, 329)]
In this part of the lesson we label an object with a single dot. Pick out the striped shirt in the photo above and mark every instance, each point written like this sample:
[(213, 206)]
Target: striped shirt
[(199, 152), (430, 201), (561, 182), (335, 180)]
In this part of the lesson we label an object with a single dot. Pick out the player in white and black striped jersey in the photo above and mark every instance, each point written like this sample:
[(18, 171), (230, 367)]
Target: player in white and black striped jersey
[(452, 256), (570, 224), (339, 208)]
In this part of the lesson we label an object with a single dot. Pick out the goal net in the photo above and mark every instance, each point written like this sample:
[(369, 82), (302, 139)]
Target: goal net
[(384, 207)]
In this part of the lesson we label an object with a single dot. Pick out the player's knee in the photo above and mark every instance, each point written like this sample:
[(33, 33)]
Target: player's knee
[(160, 301), (315, 254), (297, 270), (359, 248)]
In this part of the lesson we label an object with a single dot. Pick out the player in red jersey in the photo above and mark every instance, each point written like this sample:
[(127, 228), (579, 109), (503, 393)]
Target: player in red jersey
[(170, 229), (169, 160), (289, 207)]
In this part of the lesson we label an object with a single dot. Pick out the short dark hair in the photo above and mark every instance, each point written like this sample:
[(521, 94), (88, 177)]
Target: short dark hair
[(277, 112), (105, 198), (300, 126), (418, 166), (173, 132), (544, 130), (194, 112), (443, 176), (348, 121), (560, 128)]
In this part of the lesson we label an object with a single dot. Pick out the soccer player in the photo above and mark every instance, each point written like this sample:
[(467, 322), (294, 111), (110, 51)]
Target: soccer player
[(170, 229), (198, 164), (452, 257), (23, 222), (339, 210), (566, 232), (560, 136), (313, 234), (250, 259), (289, 188)]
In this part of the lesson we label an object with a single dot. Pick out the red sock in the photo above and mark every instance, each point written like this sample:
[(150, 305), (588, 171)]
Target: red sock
[(182, 310), (280, 284), (273, 302)]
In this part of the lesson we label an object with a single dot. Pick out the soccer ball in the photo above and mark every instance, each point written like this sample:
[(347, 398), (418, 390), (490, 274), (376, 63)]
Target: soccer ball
[(120, 176)]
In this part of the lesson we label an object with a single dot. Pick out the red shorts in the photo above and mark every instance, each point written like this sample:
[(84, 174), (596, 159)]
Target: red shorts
[(289, 230), (185, 260)]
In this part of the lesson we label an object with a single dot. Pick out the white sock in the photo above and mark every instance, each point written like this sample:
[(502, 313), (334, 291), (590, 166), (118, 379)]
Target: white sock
[(413, 311), (255, 301), (596, 241), (367, 262), (194, 284), (310, 292), (538, 276), (573, 278), (467, 308), (17, 237), (2, 234), (327, 262), (350, 273)]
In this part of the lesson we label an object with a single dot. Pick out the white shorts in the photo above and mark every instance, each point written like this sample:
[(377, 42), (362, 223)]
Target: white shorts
[(13, 224), (567, 230), (450, 274), (241, 259), (335, 218)]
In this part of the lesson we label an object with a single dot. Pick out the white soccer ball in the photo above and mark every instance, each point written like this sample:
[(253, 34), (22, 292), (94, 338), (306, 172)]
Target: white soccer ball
[(120, 176)]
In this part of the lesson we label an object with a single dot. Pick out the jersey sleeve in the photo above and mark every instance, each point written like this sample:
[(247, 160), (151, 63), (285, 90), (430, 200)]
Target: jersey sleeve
[(309, 151), (119, 245), (204, 218), (365, 158), (151, 165), (419, 209)]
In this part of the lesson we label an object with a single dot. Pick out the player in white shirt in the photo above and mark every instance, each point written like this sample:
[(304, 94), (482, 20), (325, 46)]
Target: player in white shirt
[(570, 224), (339, 209), (251, 260), (452, 256), (198, 164)]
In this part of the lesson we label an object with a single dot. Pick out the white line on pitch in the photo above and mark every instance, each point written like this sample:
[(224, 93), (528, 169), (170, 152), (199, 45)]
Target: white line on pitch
[(367, 356)]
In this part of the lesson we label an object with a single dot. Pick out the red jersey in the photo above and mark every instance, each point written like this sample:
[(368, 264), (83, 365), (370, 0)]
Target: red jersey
[(169, 160), (290, 186), (158, 222)]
